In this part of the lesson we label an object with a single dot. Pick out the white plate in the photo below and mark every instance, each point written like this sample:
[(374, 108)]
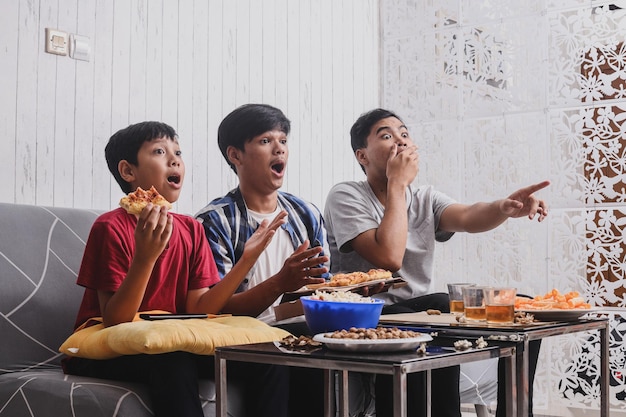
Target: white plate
[(558, 314), (368, 345)]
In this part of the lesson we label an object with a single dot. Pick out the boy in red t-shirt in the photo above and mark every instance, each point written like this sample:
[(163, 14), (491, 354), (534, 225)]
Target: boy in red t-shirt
[(161, 261)]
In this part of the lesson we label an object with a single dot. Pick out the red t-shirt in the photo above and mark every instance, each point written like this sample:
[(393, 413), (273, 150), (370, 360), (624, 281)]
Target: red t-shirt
[(185, 264)]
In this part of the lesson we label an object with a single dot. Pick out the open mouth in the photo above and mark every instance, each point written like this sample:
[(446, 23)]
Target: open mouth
[(278, 167), (174, 179)]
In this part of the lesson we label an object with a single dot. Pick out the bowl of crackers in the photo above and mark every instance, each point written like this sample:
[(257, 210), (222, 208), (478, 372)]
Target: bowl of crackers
[(340, 310)]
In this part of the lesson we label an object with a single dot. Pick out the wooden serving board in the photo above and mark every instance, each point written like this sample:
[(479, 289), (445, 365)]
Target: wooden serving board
[(389, 283), (420, 317)]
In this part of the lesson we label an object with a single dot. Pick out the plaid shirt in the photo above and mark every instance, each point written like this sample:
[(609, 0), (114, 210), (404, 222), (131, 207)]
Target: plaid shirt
[(228, 227)]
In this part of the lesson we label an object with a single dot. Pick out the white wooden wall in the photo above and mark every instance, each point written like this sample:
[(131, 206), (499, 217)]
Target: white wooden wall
[(187, 63)]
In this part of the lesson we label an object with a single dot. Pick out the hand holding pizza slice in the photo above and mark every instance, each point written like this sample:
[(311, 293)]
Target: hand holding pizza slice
[(136, 201)]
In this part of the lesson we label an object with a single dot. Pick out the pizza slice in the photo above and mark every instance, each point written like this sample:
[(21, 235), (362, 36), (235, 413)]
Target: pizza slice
[(352, 279), (136, 201), (375, 274), (355, 278)]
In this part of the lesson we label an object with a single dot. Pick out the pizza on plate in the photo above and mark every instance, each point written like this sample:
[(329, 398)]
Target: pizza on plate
[(354, 278), (136, 201)]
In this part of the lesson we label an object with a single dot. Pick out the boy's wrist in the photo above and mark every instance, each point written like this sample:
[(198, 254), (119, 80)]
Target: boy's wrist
[(246, 260), (140, 261), (397, 183), (274, 285)]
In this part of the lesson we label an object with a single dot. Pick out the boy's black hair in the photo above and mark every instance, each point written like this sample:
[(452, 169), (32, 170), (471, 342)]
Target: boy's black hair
[(125, 145), (361, 128), (246, 122)]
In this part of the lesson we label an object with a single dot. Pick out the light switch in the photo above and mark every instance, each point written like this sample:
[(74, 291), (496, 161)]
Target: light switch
[(56, 42), (79, 47)]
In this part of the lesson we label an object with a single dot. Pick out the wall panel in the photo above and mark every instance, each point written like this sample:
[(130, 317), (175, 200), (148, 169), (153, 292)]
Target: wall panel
[(83, 119), (33, 137), (64, 143), (187, 63), (196, 156), (102, 98), (154, 60), (169, 65), (9, 20)]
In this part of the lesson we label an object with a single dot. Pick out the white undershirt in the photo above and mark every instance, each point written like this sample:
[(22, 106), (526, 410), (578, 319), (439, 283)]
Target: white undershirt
[(271, 259)]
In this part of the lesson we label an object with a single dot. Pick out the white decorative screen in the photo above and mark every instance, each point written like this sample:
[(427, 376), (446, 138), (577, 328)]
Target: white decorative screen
[(502, 94)]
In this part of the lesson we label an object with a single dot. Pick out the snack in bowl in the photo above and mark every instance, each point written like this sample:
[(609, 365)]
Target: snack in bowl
[(552, 300), (342, 296), (378, 333), (136, 201), (302, 343), (338, 310), (379, 339)]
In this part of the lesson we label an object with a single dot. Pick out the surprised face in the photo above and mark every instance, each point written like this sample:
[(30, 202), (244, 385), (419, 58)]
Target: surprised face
[(159, 164), (263, 162)]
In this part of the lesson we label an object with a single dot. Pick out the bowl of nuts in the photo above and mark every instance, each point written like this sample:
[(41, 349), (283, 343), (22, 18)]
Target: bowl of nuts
[(340, 310), (380, 339)]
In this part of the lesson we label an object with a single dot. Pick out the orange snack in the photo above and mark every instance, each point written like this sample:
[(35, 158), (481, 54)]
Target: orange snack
[(552, 300)]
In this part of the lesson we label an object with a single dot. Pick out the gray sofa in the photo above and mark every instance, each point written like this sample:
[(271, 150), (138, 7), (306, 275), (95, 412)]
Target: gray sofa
[(40, 253)]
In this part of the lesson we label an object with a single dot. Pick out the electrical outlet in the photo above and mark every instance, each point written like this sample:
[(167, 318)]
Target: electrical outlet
[(56, 42)]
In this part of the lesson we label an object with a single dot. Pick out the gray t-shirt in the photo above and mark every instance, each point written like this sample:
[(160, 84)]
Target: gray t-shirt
[(352, 208)]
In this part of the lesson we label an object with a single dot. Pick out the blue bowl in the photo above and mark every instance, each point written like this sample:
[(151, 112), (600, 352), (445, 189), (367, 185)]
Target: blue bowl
[(327, 316)]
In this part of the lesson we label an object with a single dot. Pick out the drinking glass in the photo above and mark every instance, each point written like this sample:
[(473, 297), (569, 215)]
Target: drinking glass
[(500, 304), (456, 296), (474, 301)]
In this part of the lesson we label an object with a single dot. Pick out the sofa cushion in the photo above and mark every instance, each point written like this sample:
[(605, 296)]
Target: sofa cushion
[(41, 249), (199, 336), (40, 254), (52, 394)]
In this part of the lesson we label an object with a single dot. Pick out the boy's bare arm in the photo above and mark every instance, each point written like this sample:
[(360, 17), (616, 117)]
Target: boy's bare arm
[(218, 298), (480, 217), (152, 233), (297, 271), (384, 247)]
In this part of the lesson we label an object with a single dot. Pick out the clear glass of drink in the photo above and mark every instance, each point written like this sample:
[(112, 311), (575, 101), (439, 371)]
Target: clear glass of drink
[(456, 296), (500, 304), (474, 302)]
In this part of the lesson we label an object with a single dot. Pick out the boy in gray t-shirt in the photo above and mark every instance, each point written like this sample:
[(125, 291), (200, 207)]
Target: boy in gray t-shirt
[(384, 222), (359, 210)]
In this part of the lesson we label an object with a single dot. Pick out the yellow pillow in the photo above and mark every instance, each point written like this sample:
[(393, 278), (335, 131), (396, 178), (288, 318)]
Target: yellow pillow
[(199, 336)]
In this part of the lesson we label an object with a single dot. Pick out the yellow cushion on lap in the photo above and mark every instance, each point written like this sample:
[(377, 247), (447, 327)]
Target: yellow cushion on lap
[(199, 336)]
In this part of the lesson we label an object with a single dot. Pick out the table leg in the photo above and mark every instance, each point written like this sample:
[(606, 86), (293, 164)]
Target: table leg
[(399, 392), (510, 383), (429, 390), (221, 405), (343, 404), (523, 389), (604, 371)]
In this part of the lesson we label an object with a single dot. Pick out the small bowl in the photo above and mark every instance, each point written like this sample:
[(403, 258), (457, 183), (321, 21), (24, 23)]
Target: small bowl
[(327, 316)]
